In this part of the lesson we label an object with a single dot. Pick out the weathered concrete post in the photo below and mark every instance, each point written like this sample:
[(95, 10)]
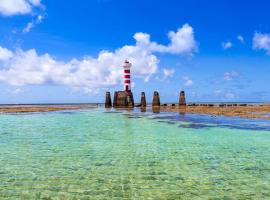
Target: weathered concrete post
[(143, 100), (115, 99), (108, 101), (156, 100), (182, 99)]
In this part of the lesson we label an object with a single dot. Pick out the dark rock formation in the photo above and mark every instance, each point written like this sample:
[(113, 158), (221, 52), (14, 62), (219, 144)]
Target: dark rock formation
[(143, 100), (156, 100), (108, 101), (182, 99), (123, 99)]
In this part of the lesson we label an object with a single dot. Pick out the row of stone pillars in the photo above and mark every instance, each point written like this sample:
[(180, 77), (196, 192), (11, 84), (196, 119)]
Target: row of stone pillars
[(155, 101), (181, 102)]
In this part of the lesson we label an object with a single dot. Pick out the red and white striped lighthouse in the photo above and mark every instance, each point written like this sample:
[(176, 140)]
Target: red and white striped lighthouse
[(127, 85)]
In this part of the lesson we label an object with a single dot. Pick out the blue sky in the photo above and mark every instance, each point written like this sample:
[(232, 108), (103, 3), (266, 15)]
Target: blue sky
[(71, 51)]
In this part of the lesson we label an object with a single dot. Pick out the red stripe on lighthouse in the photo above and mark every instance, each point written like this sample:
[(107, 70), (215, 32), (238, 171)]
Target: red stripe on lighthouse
[(127, 71), (126, 76), (127, 81)]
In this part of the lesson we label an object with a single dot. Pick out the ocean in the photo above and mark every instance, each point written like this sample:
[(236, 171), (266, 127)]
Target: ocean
[(118, 154)]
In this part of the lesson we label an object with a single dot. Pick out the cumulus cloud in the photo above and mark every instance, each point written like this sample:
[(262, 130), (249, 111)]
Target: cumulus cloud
[(21, 67), (227, 45), (18, 7), (241, 39), (27, 67), (188, 81), (261, 42), (228, 76), (181, 42), (5, 54)]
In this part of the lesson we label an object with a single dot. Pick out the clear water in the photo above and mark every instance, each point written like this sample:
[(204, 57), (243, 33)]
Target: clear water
[(96, 154)]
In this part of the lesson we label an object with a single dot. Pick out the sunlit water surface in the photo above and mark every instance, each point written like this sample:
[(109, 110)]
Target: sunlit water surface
[(98, 154)]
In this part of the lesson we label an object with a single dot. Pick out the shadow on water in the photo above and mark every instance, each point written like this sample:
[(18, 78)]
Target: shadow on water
[(207, 121)]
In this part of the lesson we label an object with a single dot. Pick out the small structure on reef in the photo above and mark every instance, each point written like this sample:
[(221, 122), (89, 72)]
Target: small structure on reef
[(182, 99), (156, 100), (143, 100), (124, 99)]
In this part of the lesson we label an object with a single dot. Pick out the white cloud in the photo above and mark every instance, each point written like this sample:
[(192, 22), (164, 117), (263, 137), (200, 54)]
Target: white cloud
[(18, 91), (5, 54), (261, 42), (168, 73), (17, 7), (31, 24), (228, 76), (241, 39), (227, 45), (88, 74), (188, 81), (181, 42)]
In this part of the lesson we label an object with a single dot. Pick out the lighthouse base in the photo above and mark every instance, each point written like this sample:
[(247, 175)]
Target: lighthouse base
[(123, 99)]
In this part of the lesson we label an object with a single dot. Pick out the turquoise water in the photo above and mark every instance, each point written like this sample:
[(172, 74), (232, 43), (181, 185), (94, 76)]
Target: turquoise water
[(96, 154)]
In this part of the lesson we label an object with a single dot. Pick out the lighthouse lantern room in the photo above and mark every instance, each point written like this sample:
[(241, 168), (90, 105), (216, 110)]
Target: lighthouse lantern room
[(127, 78)]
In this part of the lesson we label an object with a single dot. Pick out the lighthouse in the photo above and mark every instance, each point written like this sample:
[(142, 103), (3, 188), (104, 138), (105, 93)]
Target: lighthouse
[(124, 99), (127, 78)]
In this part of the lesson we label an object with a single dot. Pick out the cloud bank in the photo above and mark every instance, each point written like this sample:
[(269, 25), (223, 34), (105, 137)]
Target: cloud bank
[(21, 67)]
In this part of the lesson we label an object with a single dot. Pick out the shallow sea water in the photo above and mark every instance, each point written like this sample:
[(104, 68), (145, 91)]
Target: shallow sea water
[(99, 154)]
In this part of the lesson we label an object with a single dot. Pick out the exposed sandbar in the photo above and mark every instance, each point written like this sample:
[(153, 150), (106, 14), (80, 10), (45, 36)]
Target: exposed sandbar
[(41, 108)]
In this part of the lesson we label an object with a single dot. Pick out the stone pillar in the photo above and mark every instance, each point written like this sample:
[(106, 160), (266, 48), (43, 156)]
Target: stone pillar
[(108, 101), (129, 100), (156, 100), (143, 100), (182, 99), (115, 99)]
